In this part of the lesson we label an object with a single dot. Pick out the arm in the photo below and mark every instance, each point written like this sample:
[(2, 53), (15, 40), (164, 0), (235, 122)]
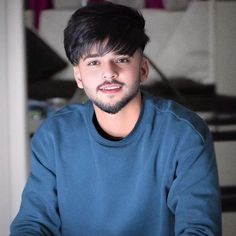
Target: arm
[(194, 197), (38, 214)]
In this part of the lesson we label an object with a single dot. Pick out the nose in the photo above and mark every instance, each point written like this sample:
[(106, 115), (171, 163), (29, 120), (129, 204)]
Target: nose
[(109, 71)]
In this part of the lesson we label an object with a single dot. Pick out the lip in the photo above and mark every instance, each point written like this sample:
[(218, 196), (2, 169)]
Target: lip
[(110, 87)]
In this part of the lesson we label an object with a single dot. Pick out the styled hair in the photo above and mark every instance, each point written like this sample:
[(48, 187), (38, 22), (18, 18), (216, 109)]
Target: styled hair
[(111, 27)]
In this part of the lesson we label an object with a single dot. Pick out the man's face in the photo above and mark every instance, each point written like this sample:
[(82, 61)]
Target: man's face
[(111, 81)]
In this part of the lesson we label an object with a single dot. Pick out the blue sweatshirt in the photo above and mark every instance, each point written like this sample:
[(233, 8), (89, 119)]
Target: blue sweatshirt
[(159, 180)]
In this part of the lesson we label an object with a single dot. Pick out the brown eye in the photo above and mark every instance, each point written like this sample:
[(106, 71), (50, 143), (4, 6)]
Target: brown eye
[(122, 60), (93, 63)]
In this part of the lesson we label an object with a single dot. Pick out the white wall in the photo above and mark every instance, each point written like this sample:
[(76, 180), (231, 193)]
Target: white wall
[(13, 151), (225, 47)]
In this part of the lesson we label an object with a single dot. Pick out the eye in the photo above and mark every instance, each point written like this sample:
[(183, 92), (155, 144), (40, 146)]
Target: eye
[(93, 63), (123, 60)]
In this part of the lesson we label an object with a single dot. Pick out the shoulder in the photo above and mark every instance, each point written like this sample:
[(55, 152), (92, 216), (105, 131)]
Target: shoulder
[(69, 112), (64, 120), (178, 118)]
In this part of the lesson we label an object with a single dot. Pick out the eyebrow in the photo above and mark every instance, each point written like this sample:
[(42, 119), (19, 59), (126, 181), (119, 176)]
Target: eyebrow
[(98, 55), (91, 56)]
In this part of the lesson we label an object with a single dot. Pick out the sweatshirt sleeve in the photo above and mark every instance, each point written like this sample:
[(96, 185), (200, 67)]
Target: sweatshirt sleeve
[(194, 197), (38, 214)]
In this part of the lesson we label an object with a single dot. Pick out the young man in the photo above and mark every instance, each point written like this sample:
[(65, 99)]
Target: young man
[(124, 163)]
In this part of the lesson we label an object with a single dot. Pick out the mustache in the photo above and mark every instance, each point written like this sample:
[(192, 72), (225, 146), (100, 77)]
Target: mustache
[(114, 81)]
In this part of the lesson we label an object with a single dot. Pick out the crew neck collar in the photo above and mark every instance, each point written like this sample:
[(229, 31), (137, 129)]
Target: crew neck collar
[(137, 130)]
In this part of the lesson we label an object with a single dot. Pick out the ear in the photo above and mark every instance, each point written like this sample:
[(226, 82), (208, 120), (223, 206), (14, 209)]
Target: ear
[(144, 70), (77, 76)]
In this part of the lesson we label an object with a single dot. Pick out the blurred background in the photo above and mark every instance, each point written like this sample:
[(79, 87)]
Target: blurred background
[(192, 55)]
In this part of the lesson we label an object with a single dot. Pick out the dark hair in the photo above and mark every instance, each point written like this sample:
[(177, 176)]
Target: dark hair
[(121, 26)]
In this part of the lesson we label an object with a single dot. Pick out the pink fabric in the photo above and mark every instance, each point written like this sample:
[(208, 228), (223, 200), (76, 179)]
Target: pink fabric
[(149, 3), (37, 6), (95, 1), (154, 4)]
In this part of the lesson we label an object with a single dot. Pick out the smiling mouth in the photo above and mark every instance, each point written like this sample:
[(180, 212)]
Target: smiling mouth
[(110, 87)]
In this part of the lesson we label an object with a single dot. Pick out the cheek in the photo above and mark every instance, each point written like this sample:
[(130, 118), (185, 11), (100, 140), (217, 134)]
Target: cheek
[(133, 74), (89, 76), (90, 82)]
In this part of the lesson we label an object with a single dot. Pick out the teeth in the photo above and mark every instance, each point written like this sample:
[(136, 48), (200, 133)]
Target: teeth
[(110, 87)]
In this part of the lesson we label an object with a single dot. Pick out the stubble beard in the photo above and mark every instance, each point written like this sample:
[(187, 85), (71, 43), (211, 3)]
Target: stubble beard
[(115, 108)]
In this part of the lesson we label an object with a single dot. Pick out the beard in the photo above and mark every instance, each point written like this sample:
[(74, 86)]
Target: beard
[(115, 108)]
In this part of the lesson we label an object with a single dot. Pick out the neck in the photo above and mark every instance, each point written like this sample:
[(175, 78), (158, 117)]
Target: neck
[(119, 125)]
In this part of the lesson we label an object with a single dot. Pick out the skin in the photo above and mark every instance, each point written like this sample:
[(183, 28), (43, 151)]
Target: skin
[(112, 83)]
